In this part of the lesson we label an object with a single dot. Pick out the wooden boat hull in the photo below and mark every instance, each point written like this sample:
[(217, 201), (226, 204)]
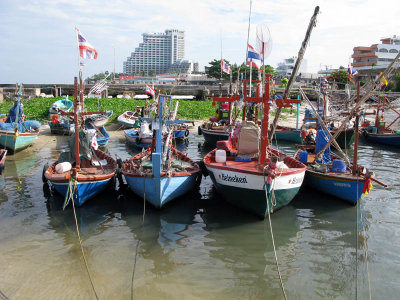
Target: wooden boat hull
[(160, 191), (392, 139), (132, 137), (245, 187), (23, 140), (288, 134), (211, 137), (61, 128), (90, 181), (3, 154), (102, 141), (85, 189), (250, 194), (345, 138), (348, 188), (128, 118)]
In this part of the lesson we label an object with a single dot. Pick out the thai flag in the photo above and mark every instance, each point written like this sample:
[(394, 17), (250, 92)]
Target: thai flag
[(82, 64), (254, 63), (252, 53), (150, 90), (351, 72), (225, 67), (86, 50)]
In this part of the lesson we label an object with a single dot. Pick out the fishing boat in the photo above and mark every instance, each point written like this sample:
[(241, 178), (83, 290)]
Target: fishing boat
[(161, 173), (82, 172), (61, 124), (128, 118), (3, 154), (379, 132), (16, 134), (102, 135), (330, 174), (63, 104), (100, 119), (217, 128), (143, 136), (247, 171)]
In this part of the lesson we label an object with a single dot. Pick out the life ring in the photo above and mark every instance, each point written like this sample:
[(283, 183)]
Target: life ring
[(186, 132)]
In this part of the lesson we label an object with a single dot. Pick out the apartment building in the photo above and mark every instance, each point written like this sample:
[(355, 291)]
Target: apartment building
[(159, 53)]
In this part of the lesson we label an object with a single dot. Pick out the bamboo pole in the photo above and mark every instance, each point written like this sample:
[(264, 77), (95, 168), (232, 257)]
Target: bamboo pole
[(296, 68), (370, 87), (324, 126)]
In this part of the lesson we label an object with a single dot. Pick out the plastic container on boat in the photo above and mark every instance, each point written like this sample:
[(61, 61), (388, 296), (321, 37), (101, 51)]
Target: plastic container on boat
[(303, 156), (374, 130), (220, 156), (338, 166), (63, 167)]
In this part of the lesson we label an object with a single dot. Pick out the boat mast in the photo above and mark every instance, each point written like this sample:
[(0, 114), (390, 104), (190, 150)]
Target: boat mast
[(76, 121), (296, 68), (355, 155), (265, 121)]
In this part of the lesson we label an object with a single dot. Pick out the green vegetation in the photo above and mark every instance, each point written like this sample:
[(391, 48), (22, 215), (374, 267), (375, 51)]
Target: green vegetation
[(38, 108)]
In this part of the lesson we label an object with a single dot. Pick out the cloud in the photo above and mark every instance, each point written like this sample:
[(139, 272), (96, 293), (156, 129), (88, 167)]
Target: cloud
[(39, 42)]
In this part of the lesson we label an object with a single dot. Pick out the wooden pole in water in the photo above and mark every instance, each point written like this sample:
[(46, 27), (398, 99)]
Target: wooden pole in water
[(76, 122), (355, 155), (265, 121)]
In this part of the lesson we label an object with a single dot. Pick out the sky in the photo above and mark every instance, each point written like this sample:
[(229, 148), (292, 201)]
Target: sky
[(38, 38)]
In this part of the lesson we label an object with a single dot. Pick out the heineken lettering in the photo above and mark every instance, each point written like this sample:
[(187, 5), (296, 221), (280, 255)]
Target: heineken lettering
[(233, 178)]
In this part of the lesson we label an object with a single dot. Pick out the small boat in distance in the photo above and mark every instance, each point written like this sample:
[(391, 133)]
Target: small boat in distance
[(380, 132), (15, 133)]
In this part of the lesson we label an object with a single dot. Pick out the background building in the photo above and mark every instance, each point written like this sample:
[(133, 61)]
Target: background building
[(286, 67), (159, 53), (372, 60)]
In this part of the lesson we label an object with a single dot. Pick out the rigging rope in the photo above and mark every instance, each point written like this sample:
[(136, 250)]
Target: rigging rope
[(138, 242), (272, 233), (3, 296), (72, 191)]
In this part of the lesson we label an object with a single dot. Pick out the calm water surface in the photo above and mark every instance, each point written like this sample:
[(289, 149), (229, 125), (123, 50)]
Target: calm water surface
[(198, 247)]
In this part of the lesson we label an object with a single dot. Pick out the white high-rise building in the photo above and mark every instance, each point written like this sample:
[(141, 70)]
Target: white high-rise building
[(157, 53)]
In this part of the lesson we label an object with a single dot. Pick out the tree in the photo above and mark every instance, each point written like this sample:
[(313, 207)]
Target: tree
[(215, 69), (339, 77)]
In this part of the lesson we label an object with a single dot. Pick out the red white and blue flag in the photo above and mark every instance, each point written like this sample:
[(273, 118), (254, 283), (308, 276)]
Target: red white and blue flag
[(253, 58), (225, 67), (150, 90), (351, 72), (86, 50), (253, 54)]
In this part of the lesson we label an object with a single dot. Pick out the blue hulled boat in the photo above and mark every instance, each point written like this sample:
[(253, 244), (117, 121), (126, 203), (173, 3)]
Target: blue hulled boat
[(161, 176), (82, 172), (16, 134), (60, 124)]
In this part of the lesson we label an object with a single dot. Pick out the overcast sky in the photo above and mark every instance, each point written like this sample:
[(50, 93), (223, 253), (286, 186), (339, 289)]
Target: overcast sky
[(38, 39)]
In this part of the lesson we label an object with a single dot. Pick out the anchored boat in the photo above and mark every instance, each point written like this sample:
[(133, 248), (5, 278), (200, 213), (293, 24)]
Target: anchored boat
[(247, 171), (16, 134), (380, 133), (83, 172), (161, 173)]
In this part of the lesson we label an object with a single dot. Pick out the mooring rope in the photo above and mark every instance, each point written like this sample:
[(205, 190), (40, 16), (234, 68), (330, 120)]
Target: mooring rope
[(138, 242), (77, 231), (272, 233), (4, 297)]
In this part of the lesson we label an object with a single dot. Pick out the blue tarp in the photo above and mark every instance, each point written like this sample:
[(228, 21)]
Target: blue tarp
[(13, 112), (321, 140)]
